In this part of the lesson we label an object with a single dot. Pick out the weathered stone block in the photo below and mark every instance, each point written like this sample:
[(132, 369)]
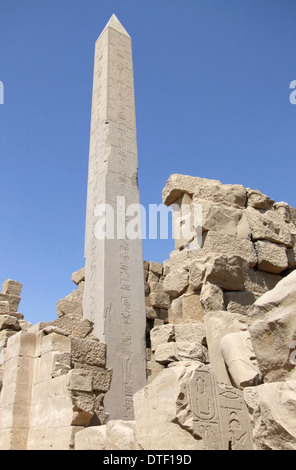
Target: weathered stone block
[(192, 333), (22, 343), (88, 352), (227, 245), (211, 190), (13, 301), (197, 271), (92, 438), (259, 281), (162, 334), (176, 282), (55, 342), (9, 322), (72, 308), (166, 353), (272, 409), (192, 309), (239, 302), (158, 298), (80, 380), (211, 297), (175, 314), (102, 380), (271, 257), (227, 271), (155, 268), (12, 287), (268, 226), (78, 276), (258, 200), (4, 307)]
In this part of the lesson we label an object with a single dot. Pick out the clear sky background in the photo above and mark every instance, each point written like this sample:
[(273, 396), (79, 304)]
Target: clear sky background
[(212, 100)]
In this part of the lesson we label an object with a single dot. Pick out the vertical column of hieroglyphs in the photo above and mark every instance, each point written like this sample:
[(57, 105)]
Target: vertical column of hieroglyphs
[(114, 293)]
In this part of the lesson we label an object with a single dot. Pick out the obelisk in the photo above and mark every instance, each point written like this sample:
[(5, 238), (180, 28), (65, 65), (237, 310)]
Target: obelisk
[(114, 296)]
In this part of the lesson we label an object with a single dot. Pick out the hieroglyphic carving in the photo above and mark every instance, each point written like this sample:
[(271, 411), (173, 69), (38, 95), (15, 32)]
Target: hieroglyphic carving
[(203, 404), (219, 413), (234, 418)]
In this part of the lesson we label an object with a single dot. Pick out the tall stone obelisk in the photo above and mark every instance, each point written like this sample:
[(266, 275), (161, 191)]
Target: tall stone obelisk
[(114, 296)]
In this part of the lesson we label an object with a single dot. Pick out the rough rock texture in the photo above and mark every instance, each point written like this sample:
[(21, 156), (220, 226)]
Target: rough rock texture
[(272, 409), (273, 330)]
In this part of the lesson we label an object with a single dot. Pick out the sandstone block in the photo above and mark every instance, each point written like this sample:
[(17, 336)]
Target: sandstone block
[(23, 343), (227, 271), (192, 333), (272, 409), (155, 268), (88, 352), (55, 329), (82, 401), (13, 301), (239, 301), (55, 342), (12, 287), (120, 435), (5, 335), (239, 356), (268, 226), (192, 309), (258, 200), (175, 311), (211, 190), (4, 307), (176, 282), (80, 328), (211, 297), (271, 257), (260, 281), (191, 351), (71, 308), (219, 218), (197, 271), (152, 277), (166, 353), (9, 322), (92, 438), (102, 379), (80, 380), (162, 334), (158, 298), (227, 245), (78, 276)]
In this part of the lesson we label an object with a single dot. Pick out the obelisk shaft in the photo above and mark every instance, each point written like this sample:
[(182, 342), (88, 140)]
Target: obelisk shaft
[(114, 286)]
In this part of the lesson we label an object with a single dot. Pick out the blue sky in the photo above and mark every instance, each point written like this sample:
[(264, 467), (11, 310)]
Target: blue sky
[(212, 100)]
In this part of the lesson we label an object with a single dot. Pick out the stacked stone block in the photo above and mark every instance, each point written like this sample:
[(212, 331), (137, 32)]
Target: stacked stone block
[(54, 377)]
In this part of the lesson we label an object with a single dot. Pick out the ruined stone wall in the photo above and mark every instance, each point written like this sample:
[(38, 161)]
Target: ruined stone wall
[(53, 375), (221, 341)]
